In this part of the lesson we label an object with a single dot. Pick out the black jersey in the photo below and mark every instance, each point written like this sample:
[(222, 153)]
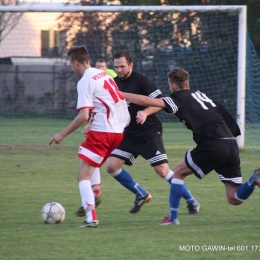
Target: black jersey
[(139, 83), (206, 118)]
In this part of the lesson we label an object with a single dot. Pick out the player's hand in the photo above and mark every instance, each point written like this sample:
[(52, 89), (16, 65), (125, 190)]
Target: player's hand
[(86, 129), (141, 117), (57, 139)]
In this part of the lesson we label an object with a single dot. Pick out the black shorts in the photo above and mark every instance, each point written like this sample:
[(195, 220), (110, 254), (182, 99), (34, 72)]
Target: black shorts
[(221, 155), (151, 150)]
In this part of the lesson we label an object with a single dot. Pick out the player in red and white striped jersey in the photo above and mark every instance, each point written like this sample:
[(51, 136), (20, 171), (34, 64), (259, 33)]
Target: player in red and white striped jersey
[(99, 96)]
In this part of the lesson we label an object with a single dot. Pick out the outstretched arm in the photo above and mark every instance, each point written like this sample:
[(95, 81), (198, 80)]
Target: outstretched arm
[(144, 100), (151, 110), (79, 120)]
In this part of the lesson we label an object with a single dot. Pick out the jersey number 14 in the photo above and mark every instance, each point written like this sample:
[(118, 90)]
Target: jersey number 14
[(202, 99)]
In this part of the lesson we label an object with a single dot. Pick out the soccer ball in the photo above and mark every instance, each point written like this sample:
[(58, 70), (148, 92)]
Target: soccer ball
[(53, 213)]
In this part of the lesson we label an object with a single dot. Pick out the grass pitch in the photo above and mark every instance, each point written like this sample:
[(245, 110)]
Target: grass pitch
[(32, 176)]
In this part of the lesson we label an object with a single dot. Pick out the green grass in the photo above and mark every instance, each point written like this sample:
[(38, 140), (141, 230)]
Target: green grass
[(32, 131), (32, 177), (38, 131)]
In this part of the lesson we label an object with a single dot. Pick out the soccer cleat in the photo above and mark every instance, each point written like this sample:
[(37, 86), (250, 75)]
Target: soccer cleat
[(139, 202), (80, 212), (98, 200), (193, 208), (93, 224), (256, 176), (166, 221)]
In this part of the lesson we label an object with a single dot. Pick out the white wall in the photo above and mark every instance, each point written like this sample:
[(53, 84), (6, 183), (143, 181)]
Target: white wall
[(25, 38)]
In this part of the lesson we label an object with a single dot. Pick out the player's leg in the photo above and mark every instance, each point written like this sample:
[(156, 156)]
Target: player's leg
[(87, 195), (93, 153), (231, 190), (114, 168), (236, 195), (199, 161), (95, 183), (230, 174), (165, 172), (176, 192), (153, 151), (120, 156)]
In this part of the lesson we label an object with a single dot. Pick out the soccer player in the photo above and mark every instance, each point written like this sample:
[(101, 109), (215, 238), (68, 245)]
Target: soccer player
[(98, 93), (214, 131), (95, 180), (143, 136), (102, 65)]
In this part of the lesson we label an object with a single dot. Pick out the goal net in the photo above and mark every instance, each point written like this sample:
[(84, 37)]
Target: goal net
[(208, 41)]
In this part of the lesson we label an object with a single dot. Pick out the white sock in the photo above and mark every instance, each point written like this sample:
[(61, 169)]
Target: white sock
[(88, 200), (95, 182), (86, 193), (95, 178), (169, 175)]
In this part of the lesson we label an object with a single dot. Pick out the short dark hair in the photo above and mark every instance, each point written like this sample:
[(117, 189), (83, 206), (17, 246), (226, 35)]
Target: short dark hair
[(179, 76), (79, 53), (125, 54), (101, 60)]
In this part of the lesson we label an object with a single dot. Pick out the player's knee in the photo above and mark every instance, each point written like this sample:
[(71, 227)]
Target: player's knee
[(110, 168), (113, 164), (162, 170), (234, 201)]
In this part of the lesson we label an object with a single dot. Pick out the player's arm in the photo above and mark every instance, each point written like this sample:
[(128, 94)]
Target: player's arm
[(78, 121), (148, 89), (144, 100), (151, 110), (143, 114)]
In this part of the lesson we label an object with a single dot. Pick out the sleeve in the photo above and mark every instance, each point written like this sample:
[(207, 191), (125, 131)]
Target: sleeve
[(149, 88), (230, 122), (172, 105), (84, 95)]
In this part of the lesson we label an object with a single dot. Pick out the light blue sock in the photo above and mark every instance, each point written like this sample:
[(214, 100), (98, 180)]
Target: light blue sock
[(246, 189), (175, 197), (186, 194), (127, 181)]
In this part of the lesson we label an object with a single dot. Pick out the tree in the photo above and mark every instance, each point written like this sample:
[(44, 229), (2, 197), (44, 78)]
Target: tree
[(8, 20), (253, 12)]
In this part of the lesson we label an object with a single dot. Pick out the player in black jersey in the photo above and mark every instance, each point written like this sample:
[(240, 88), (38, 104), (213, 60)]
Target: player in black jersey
[(143, 135), (214, 131)]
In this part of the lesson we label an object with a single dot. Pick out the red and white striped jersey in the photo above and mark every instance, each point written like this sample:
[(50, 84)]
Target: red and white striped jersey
[(99, 92)]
